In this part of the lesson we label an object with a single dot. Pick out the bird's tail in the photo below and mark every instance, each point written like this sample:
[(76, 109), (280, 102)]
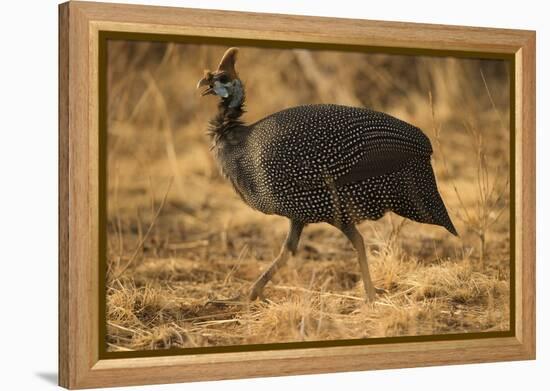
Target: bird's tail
[(425, 204), (431, 199)]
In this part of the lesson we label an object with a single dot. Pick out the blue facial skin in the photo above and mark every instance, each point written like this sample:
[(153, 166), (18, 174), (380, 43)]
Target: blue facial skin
[(232, 89), (221, 89)]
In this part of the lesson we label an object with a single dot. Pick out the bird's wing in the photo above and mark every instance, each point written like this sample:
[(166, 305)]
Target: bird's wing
[(379, 152), (335, 145)]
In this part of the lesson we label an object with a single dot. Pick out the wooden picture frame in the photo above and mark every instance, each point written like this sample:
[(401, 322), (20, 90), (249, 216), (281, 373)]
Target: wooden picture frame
[(80, 27)]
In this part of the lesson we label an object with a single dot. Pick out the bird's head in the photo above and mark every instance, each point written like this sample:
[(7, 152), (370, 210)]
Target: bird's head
[(224, 81)]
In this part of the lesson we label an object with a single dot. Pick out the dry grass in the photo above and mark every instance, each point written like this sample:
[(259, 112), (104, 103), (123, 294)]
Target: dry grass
[(179, 236)]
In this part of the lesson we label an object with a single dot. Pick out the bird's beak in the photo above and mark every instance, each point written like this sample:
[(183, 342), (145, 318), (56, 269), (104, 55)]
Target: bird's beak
[(204, 82)]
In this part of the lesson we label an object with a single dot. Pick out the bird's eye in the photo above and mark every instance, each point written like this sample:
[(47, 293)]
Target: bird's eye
[(223, 79)]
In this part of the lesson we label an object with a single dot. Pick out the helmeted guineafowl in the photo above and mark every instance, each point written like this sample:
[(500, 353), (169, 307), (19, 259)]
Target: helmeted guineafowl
[(322, 163)]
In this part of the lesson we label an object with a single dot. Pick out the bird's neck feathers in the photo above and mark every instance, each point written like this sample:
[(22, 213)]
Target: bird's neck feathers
[(230, 110)]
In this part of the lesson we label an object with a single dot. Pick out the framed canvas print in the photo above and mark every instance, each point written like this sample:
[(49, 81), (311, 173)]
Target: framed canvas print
[(257, 195)]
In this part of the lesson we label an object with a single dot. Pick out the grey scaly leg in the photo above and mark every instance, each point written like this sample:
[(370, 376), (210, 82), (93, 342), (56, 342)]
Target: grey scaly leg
[(356, 239), (289, 248)]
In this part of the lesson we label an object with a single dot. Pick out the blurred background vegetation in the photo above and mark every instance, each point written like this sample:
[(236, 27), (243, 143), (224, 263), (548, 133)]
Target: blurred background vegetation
[(178, 235)]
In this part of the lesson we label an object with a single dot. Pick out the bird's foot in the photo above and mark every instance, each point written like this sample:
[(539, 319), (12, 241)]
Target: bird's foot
[(380, 291), (237, 300), (371, 293), (256, 293)]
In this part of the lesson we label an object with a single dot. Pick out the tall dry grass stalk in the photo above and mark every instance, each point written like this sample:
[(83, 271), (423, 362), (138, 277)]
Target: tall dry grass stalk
[(119, 271), (491, 185)]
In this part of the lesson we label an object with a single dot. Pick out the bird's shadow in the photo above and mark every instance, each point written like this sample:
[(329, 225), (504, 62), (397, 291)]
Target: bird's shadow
[(49, 377)]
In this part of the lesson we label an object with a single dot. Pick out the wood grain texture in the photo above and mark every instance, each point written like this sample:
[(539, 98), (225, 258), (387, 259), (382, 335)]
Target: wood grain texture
[(80, 23), (170, 20), (76, 265), (525, 122), (64, 353)]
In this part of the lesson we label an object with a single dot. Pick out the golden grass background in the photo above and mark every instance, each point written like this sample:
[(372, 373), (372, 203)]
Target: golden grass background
[(178, 235)]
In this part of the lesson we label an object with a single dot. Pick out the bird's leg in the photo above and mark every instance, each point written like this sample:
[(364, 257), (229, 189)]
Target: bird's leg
[(356, 239), (289, 248)]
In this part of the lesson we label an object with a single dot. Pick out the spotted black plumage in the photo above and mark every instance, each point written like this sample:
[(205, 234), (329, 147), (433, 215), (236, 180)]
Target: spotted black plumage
[(323, 163)]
